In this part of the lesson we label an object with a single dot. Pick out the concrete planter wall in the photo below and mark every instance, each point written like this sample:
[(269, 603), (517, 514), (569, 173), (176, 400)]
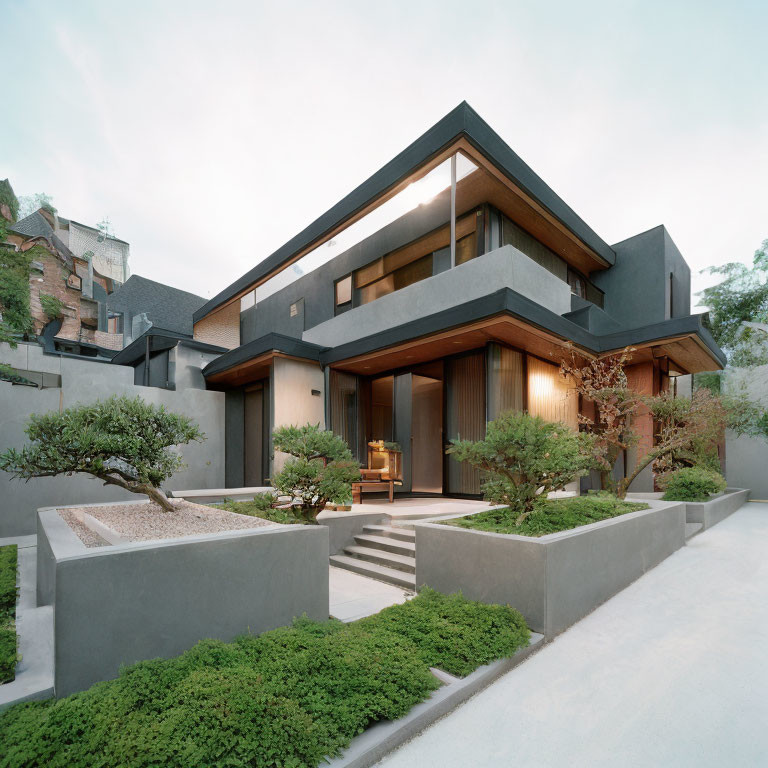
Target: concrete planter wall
[(709, 513), (554, 580), (121, 604)]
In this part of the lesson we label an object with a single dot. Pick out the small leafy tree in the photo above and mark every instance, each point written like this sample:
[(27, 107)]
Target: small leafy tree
[(52, 306), (321, 470), (122, 441), (525, 458), (603, 382)]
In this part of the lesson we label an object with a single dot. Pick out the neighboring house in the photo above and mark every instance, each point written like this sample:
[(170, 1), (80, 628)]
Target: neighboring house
[(443, 290), (71, 277), (142, 304)]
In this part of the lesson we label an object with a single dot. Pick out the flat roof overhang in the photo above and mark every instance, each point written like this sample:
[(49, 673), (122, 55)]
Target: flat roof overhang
[(159, 340), (512, 319), (461, 129), (253, 361)]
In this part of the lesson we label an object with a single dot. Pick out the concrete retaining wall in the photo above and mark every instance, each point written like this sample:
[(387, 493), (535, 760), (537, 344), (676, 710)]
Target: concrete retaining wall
[(709, 513), (121, 604), (83, 381), (553, 580), (342, 526)]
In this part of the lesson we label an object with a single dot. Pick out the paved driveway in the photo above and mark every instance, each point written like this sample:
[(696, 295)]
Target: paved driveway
[(673, 671)]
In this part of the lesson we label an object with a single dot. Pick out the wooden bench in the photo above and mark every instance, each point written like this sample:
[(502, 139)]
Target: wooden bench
[(372, 485)]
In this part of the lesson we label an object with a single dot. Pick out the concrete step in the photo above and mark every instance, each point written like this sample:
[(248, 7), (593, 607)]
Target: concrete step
[(374, 571), (691, 529), (390, 559), (386, 543), (403, 534)]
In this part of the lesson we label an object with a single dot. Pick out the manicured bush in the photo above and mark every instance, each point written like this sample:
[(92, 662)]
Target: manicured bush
[(8, 593), (692, 484), (525, 458), (550, 516), (290, 697), (122, 441), (321, 470)]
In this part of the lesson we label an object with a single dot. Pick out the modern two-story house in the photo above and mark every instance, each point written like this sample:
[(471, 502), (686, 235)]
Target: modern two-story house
[(443, 290)]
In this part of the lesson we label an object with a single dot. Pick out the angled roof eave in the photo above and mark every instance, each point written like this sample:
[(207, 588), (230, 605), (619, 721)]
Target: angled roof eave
[(461, 122)]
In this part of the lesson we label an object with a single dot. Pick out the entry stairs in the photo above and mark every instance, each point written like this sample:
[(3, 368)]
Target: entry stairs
[(382, 552)]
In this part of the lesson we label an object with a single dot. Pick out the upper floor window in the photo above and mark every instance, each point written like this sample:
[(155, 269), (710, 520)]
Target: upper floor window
[(343, 294)]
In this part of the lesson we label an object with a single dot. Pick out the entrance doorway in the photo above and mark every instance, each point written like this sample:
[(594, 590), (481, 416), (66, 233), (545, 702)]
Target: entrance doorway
[(256, 437), (426, 434)]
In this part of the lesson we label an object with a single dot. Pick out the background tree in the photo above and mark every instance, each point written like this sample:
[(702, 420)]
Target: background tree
[(122, 441), (321, 470), (526, 458), (30, 203), (741, 296)]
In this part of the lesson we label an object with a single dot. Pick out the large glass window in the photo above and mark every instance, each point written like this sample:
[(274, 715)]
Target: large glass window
[(343, 406)]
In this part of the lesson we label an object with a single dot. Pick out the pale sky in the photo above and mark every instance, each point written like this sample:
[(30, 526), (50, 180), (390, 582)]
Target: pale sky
[(211, 133)]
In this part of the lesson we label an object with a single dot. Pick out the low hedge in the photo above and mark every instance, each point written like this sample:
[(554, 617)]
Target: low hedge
[(8, 592), (550, 515), (290, 697), (692, 484), (260, 507)]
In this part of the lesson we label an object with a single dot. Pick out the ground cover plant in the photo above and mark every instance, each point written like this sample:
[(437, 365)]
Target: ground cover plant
[(692, 484), (8, 592), (550, 515), (286, 698), (122, 441), (263, 506)]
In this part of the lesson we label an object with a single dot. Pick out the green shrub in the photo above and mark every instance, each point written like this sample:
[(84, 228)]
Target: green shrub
[(550, 516), (290, 697), (321, 469), (525, 458), (8, 593), (693, 484), (51, 306)]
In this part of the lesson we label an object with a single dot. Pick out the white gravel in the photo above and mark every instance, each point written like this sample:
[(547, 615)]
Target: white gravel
[(147, 521)]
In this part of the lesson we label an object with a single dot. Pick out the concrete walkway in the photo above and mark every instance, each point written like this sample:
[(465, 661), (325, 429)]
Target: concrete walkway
[(673, 671), (353, 596)]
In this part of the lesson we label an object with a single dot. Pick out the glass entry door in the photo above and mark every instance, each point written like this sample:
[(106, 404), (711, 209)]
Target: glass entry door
[(426, 434)]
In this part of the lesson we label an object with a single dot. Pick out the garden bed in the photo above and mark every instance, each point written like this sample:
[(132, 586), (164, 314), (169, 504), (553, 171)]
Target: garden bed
[(99, 525), (294, 696), (145, 599), (550, 516), (553, 579), (8, 594)]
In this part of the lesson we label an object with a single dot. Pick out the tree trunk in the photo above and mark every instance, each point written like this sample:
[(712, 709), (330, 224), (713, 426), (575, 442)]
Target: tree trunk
[(156, 495)]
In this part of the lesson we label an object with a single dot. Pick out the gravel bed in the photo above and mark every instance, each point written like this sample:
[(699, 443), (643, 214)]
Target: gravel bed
[(84, 533), (147, 521)]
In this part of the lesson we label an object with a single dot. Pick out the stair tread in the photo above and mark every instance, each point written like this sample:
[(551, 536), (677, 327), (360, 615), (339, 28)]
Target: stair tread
[(380, 572), (380, 554), (395, 533), (379, 542)]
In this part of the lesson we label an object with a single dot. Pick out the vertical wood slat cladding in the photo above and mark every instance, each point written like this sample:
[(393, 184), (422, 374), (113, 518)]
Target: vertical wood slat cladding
[(464, 416)]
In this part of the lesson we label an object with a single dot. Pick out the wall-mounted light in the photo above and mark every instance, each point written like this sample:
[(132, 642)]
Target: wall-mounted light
[(316, 393)]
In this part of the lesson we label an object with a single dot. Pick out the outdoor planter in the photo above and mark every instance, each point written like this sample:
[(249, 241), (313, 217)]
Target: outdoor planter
[(711, 512), (706, 513), (554, 580), (119, 604)]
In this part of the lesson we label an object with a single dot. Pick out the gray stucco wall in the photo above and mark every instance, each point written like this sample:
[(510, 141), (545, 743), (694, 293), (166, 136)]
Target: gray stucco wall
[(553, 580), (84, 381), (504, 267), (157, 599), (637, 286)]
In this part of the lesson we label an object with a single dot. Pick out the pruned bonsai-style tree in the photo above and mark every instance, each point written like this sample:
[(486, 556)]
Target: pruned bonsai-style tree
[(321, 470), (525, 458), (122, 441)]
